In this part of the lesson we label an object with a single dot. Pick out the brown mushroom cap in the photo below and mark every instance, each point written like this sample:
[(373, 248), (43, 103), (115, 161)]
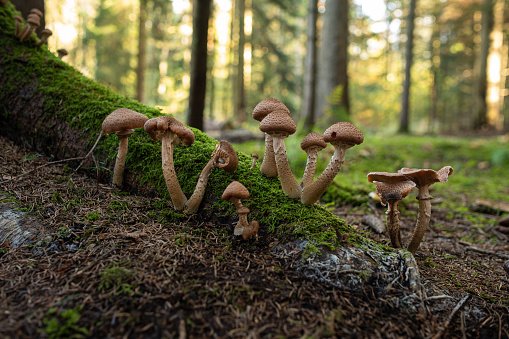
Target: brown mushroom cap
[(278, 122), (62, 52), (164, 123), (47, 32), (266, 106), (393, 191), (18, 18), (34, 20), (122, 119), (235, 190), (250, 230), (386, 177), (36, 12), (343, 132), (229, 161), (426, 177), (313, 139)]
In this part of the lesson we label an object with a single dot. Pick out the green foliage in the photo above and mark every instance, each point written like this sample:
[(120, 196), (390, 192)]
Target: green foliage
[(64, 324), (114, 278)]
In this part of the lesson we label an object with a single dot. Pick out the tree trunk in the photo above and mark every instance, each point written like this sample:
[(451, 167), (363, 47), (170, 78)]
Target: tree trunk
[(332, 99), (308, 104), (142, 53), (405, 98), (25, 6), (201, 15), (240, 109)]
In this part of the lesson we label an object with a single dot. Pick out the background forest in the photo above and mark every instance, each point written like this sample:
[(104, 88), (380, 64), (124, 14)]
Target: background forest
[(326, 60)]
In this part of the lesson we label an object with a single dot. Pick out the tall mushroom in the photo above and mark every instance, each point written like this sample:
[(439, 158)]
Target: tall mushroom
[(17, 24), (311, 144), (170, 131), (33, 21), (279, 125), (223, 157), (423, 179), (45, 34), (123, 121), (261, 110), (233, 193), (342, 136), (391, 188)]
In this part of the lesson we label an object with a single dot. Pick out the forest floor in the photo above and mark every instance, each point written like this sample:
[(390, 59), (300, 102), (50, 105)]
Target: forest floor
[(106, 267)]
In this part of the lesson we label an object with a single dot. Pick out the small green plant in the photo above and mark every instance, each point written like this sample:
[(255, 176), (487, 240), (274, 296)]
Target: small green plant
[(93, 216), (429, 262), (64, 324), (115, 278)]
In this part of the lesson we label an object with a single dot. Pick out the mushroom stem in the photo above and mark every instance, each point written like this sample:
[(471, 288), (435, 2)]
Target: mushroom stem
[(193, 203), (311, 193), (239, 228), (289, 185), (423, 218), (393, 223), (118, 171), (170, 176), (268, 166), (309, 171)]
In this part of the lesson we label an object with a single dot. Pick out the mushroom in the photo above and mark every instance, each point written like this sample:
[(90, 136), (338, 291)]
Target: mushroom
[(33, 21), (36, 12), (45, 34), (280, 125), (342, 136), (170, 131), (224, 157), (261, 110), (233, 193), (123, 121), (311, 144), (391, 189), (62, 53), (255, 157), (424, 178), (251, 230), (17, 22)]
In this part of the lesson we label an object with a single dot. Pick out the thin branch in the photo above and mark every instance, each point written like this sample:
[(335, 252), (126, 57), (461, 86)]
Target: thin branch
[(480, 250), (458, 307)]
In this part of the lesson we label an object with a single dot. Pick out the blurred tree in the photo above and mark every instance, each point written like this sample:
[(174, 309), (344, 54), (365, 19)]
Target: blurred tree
[(239, 100), (332, 103), (142, 52), (405, 99), (201, 16), (308, 104), (25, 6)]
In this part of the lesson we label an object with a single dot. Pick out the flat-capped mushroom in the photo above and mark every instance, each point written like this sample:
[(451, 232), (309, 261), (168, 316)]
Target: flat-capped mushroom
[(224, 157), (423, 179), (62, 53), (33, 21), (261, 110), (311, 144), (36, 12), (233, 193), (342, 136), (123, 121), (45, 34), (17, 22), (280, 125), (391, 193), (170, 131)]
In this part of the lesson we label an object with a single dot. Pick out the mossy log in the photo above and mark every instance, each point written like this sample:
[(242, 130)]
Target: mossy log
[(51, 108)]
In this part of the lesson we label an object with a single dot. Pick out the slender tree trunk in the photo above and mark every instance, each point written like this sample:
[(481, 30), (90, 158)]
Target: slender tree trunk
[(333, 65), (240, 109), (308, 105), (198, 63), (405, 99), (25, 6), (142, 53)]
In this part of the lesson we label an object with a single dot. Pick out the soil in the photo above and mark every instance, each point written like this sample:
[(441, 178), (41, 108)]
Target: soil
[(106, 264)]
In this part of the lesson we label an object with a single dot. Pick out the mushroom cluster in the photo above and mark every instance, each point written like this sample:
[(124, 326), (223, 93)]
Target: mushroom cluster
[(234, 193), (277, 124), (393, 187)]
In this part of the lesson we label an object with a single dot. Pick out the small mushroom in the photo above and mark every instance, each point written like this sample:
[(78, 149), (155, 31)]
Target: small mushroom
[(36, 12), (170, 131), (342, 136), (233, 193), (391, 193), (311, 144), (423, 179), (255, 157), (18, 20), (280, 125), (62, 53), (123, 121), (45, 34), (261, 110), (251, 230), (223, 157), (33, 21)]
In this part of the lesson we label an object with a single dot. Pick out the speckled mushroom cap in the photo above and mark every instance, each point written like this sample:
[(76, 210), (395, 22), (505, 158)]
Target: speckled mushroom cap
[(386, 177), (313, 139), (123, 119), (47, 32), (18, 18), (34, 20), (266, 106), (229, 159), (161, 124), (393, 191), (235, 190), (278, 122), (343, 132), (426, 177), (36, 12)]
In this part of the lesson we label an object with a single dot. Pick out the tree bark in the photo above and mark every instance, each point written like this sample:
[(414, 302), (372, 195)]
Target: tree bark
[(405, 98), (240, 110), (198, 63), (308, 105), (142, 53)]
